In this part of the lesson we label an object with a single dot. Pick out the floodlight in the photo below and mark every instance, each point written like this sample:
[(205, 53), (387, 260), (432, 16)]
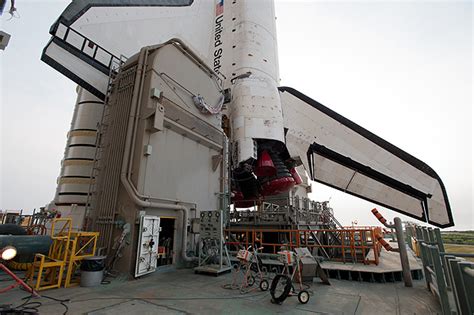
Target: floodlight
[(8, 252)]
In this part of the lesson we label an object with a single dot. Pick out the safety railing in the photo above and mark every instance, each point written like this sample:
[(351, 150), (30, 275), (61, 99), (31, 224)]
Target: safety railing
[(87, 47), (448, 275), (284, 210), (356, 245)]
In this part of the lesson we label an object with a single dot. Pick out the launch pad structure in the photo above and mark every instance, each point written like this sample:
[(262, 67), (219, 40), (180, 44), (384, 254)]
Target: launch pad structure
[(179, 113), (186, 155)]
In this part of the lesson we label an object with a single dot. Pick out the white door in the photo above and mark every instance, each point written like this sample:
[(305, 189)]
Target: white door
[(147, 249)]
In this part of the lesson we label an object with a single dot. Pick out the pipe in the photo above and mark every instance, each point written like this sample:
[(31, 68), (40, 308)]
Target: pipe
[(126, 166), (382, 220), (18, 282), (384, 243), (167, 206)]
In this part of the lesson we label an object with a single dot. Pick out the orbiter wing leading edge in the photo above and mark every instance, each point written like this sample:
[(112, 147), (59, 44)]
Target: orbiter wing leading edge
[(339, 153)]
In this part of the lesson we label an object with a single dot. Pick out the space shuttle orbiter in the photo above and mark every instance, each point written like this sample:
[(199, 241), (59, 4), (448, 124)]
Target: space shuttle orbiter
[(272, 129)]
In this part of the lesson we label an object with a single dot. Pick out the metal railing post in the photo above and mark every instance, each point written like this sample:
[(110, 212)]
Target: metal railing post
[(467, 274), (426, 236), (439, 239), (440, 282), (424, 255)]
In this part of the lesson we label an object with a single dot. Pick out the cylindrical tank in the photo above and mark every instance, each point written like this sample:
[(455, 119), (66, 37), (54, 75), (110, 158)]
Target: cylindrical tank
[(76, 168), (26, 245), (11, 229)]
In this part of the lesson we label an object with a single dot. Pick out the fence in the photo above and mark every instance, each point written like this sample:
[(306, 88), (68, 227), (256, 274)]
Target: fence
[(448, 275), (346, 245)]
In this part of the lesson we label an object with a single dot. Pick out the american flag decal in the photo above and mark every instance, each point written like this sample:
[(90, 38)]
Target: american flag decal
[(219, 7)]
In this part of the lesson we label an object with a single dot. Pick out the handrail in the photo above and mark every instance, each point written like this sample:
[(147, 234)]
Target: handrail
[(82, 43), (288, 210), (355, 243), (445, 273)]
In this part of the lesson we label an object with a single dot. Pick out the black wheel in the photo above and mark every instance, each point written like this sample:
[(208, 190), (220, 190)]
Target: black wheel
[(280, 288), (303, 297), (264, 285), (250, 280)]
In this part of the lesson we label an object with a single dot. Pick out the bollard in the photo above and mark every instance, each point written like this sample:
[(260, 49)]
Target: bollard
[(402, 248)]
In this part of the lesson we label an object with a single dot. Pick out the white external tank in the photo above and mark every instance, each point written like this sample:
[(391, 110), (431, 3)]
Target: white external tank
[(76, 166)]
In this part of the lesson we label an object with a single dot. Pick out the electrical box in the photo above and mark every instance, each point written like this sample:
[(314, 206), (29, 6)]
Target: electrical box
[(211, 224), (213, 255), (309, 264), (195, 225)]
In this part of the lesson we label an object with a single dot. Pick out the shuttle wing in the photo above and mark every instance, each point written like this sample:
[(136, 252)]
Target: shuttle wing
[(341, 154)]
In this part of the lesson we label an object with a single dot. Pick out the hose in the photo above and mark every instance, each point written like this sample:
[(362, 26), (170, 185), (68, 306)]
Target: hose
[(278, 299)]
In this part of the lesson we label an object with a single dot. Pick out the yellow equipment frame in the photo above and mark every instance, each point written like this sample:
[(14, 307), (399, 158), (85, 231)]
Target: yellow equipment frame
[(81, 245), (66, 252), (51, 268)]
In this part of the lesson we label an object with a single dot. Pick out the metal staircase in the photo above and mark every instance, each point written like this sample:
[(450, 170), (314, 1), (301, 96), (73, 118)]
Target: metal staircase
[(309, 215)]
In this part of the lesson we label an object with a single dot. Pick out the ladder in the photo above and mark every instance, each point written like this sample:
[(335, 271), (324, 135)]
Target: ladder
[(99, 145)]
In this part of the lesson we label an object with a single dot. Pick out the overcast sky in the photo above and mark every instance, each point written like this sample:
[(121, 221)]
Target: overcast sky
[(403, 70)]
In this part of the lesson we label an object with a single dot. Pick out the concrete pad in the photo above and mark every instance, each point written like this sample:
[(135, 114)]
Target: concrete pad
[(182, 291), (136, 307)]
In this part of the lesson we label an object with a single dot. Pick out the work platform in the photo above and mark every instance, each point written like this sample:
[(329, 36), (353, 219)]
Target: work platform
[(389, 269), (183, 292)]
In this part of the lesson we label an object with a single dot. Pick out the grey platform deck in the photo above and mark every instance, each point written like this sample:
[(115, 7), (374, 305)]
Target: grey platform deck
[(388, 262), (388, 270), (183, 292)]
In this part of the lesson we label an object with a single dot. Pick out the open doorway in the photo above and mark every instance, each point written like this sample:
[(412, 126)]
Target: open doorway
[(165, 246)]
